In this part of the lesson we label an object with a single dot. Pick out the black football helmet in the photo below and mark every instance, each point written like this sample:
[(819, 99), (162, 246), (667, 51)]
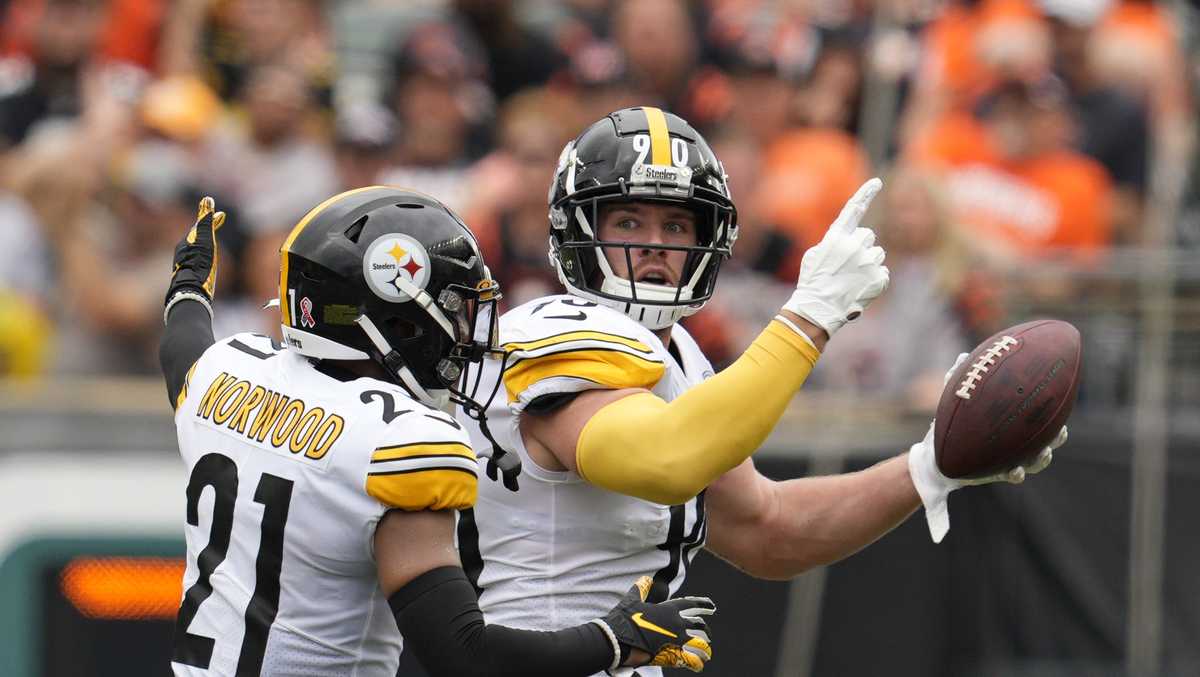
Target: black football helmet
[(392, 276), (639, 154)]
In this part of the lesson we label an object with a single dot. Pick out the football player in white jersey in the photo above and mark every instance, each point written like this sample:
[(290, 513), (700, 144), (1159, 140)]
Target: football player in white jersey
[(323, 474), (635, 455)]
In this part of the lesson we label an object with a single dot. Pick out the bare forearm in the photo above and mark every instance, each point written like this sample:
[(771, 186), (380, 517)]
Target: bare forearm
[(820, 520), (817, 335)]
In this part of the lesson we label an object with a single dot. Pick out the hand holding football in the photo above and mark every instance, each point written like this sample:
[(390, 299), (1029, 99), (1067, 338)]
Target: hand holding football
[(1008, 400)]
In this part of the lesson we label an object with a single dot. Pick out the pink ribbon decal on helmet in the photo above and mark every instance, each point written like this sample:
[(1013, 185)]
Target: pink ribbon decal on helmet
[(306, 318)]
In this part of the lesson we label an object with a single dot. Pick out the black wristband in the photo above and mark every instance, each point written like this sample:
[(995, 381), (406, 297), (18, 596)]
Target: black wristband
[(438, 614), (187, 336)]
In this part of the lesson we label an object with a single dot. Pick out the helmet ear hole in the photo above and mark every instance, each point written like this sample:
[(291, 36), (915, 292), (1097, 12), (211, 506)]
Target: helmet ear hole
[(398, 327), (312, 273)]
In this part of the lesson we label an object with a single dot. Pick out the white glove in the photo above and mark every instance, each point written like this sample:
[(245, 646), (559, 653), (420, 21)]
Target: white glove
[(844, 272), (934, 487)]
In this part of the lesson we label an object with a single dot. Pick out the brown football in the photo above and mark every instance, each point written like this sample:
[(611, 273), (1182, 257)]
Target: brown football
[(1008, 400)]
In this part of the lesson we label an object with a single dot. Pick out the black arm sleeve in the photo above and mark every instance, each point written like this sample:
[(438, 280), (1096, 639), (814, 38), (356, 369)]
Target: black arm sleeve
[(438, 614), (188, 335)]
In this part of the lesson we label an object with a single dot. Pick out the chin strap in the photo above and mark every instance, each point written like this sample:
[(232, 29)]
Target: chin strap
[(500, 461), (394, 363)]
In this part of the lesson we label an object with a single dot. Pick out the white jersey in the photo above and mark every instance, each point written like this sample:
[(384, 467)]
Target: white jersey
[(289, 472), (560, 551)]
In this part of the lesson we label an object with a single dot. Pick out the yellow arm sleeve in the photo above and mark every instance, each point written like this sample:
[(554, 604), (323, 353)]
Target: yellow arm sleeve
[(668, 452)]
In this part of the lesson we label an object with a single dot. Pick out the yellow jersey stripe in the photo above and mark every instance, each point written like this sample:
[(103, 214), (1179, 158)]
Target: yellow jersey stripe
[(421, 449), (431, 489), (187, 381), (660, 140), (284, 307), (608, 368), (578, 336)]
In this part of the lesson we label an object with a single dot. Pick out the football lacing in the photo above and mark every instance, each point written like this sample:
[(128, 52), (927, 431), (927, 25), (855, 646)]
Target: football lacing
[(980, 367)]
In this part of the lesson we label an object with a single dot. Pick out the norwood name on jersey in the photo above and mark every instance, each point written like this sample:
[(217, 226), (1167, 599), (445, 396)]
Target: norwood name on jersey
[(286, 423)]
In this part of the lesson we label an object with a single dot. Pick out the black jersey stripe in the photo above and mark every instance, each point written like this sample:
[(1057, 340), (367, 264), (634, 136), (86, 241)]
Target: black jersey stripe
[(468, 548)]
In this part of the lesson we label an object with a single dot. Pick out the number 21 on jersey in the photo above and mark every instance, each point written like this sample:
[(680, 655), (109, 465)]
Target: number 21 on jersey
[(275, 494)]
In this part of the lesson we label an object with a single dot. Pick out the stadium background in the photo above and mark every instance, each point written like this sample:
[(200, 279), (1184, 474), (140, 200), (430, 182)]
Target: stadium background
[(1039, 162)]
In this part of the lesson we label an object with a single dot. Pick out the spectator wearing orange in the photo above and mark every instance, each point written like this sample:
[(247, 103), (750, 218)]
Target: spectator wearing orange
[(1112, 126), (1015, 187), (51, 46), (807, 172), (967, 50), (765, 258), (129, 34), (1137, 47)]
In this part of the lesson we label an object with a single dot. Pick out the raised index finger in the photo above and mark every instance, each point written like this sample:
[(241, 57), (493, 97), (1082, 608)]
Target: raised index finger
[(856, 206), (206, 207)]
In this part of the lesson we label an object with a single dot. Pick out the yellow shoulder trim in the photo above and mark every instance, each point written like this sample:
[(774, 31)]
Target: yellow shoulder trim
[(572, 336), (609, 368), (433, 489), (422, 450)]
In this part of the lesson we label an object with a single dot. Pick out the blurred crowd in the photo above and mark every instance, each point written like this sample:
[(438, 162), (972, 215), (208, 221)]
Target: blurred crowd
[(1013, 135)]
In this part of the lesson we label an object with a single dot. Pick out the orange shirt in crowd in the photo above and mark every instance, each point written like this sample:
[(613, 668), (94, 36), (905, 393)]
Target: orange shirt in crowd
[(1054, 200), (807, 175), (955, 62), (1137, 46), (130, 34)]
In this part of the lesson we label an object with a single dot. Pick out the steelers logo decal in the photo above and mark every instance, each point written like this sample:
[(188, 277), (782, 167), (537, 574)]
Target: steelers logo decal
[(391, 258)]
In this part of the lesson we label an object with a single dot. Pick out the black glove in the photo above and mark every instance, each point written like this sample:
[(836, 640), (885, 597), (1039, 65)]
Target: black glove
[(195, 273), (674, 633)]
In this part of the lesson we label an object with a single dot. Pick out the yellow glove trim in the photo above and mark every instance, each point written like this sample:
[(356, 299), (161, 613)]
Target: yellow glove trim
[(207, 205), (700, 645), (675, 657), (668, 452)]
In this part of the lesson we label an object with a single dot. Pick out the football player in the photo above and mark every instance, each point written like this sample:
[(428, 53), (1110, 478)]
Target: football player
[(634, 454), (323, 474)]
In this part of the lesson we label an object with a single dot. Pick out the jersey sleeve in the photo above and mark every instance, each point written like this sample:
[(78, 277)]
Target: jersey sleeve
[(423, 461), (556, 351)]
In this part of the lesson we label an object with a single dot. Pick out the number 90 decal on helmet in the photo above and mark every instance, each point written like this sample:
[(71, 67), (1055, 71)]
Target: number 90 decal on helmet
[(639, 155)]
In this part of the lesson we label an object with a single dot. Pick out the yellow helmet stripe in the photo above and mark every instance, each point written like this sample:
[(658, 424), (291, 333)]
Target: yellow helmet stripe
[(284, 307), (660, 140)]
